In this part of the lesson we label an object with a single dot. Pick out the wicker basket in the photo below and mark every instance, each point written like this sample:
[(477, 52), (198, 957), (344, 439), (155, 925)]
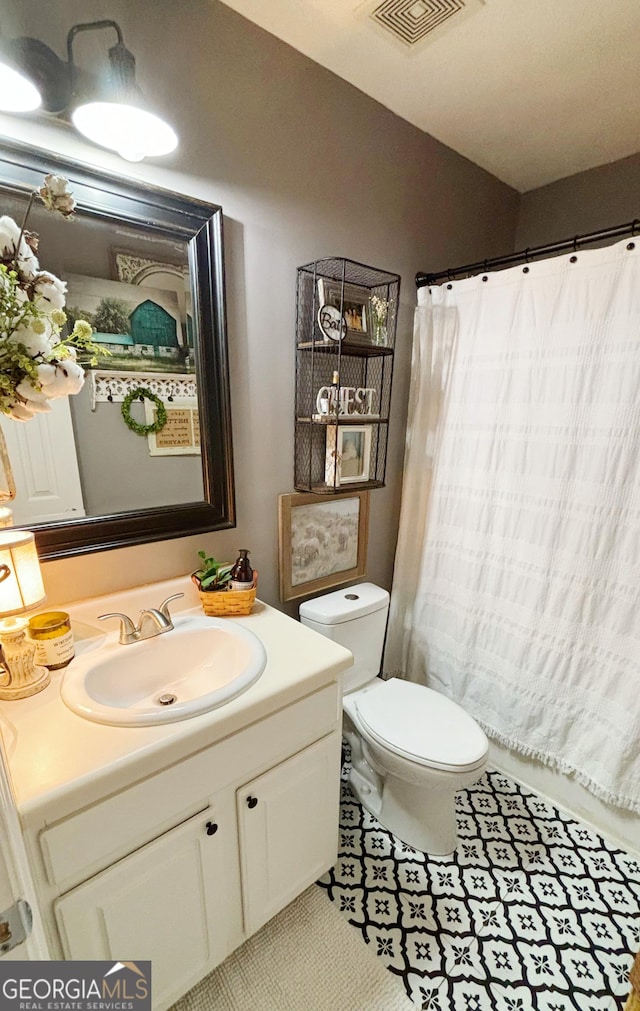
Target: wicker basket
[(227, 603)]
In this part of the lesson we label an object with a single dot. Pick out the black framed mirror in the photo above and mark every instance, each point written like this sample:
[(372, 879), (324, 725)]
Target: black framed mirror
[(151, 221)]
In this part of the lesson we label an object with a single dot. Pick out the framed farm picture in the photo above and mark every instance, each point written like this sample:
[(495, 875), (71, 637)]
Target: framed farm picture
[(142, 329), (323, 541)]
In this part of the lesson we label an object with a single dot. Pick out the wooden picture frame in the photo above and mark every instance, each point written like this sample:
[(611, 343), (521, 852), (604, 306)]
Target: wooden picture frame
[(111, 306), (348, 454), (181, 433), (322, 541)]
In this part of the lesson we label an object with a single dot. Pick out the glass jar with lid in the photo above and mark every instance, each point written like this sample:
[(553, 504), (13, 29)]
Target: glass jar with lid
[(53, 638)]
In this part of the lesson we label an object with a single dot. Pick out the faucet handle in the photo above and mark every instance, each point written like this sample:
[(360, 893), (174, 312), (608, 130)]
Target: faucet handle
[(128, 631), (164, 609)]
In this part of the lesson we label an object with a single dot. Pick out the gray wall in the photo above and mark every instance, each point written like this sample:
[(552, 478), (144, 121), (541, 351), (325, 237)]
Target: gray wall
[(125, 476), (304, 166), (583, 203)]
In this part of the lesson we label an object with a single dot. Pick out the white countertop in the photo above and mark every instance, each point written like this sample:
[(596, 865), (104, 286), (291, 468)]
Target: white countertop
[(61, 761)]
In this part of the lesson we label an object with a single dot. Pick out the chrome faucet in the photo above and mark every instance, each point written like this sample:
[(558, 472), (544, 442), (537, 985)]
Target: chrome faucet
[(153, 621)]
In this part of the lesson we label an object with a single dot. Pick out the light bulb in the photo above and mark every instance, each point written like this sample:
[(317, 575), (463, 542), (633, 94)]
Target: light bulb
[(131, 131), (17, 92)]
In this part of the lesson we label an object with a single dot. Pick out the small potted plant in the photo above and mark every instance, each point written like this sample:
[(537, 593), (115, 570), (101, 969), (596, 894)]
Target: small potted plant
[(216, 597), (211, 575)]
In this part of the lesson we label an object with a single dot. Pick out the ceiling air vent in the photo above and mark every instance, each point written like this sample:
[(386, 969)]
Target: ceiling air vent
[(412, 22)]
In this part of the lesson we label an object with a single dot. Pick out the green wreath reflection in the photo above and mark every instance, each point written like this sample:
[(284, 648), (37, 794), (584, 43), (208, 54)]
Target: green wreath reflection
[(141, 392)]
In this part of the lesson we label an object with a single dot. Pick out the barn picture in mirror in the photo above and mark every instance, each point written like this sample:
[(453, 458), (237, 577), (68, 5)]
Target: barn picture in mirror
[(143, 450)]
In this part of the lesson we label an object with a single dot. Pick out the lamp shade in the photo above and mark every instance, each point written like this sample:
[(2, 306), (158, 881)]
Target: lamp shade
[(130, 130), (22, 588), (18, 93)]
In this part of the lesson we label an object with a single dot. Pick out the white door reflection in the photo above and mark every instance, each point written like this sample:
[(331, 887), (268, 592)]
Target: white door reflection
[(43, 458)]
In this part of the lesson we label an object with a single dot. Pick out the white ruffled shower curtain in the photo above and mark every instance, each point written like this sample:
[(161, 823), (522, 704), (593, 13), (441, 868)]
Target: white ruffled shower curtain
[(517, 579)]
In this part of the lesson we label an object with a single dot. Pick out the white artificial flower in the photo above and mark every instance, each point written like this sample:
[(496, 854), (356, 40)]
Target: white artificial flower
[(27, 391), (20, 412), (37, 406), (36, 340), (68, 379), (56, 195), (9, 235), (74, 374), (49, 291), (46, 373), (37, 363), (26, 263)]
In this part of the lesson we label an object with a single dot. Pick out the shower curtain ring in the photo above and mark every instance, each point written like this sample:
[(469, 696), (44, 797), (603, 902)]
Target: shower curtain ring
[(633, 226), (575, 243), (526, 254)]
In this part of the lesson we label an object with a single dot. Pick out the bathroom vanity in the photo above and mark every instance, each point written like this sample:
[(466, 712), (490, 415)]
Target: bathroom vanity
[(176, 842)]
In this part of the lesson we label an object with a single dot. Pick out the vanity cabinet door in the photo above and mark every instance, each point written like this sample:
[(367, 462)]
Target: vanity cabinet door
[(288, 824), (175, 901)]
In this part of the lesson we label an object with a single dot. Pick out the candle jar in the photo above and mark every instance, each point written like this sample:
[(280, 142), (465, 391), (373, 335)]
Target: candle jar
[(53, 638)]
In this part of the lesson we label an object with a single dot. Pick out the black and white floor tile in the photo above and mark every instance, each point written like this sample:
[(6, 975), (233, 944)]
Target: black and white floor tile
[(534, 911)]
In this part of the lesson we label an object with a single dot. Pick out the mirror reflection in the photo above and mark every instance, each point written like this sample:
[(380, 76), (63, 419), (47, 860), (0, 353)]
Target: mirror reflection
[(137, 441), (83, 459)]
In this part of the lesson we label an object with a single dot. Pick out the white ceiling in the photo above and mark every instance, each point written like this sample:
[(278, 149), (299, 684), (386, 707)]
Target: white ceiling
[(531, 90)]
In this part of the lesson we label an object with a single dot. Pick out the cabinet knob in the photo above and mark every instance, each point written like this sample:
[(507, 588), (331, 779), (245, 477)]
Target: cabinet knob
[(252, 801), (212, 828)]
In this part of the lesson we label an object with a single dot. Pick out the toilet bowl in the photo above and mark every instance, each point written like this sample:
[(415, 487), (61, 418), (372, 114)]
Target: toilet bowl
[(411, 747)]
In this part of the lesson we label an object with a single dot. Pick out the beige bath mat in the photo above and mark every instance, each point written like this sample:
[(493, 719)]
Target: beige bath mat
[(307, 958)]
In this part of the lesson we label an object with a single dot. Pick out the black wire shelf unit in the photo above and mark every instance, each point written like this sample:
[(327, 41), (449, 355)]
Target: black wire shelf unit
[(345, 330)]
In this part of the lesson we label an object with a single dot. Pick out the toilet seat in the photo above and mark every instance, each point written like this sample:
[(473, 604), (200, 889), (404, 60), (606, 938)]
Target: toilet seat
[(422, 726)]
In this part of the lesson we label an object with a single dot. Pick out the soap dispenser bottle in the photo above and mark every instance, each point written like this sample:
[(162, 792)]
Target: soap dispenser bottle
[(242, 573)]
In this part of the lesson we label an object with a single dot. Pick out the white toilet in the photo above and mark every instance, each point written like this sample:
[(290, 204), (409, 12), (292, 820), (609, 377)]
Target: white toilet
[(411, 747)]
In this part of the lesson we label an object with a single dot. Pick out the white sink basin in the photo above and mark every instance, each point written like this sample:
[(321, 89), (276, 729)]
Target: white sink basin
[(199, 665)]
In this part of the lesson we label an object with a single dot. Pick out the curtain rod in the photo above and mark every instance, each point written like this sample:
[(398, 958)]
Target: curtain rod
[(525, 255)]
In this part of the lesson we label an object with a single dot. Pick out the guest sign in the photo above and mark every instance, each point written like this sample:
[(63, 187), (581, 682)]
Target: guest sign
[(353, 400), (180, 436)]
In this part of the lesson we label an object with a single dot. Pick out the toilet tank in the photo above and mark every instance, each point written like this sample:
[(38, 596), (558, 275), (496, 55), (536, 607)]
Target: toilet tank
[(356, 618)]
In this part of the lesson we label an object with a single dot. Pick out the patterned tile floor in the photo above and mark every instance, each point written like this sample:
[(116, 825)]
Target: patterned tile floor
[(534, 912)]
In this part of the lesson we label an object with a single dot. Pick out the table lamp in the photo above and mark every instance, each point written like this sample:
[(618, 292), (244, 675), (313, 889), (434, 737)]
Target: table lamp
[(21, 589)]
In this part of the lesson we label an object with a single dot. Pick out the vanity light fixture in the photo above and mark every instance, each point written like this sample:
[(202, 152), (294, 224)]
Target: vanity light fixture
[(21, 589), (117, 118), (109, 111)]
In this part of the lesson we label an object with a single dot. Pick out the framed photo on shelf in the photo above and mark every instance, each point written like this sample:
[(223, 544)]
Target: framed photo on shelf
[(322, 541), (348, 454), (353, 302)]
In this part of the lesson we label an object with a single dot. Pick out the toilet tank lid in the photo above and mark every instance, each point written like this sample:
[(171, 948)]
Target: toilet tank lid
[(345, 605)]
